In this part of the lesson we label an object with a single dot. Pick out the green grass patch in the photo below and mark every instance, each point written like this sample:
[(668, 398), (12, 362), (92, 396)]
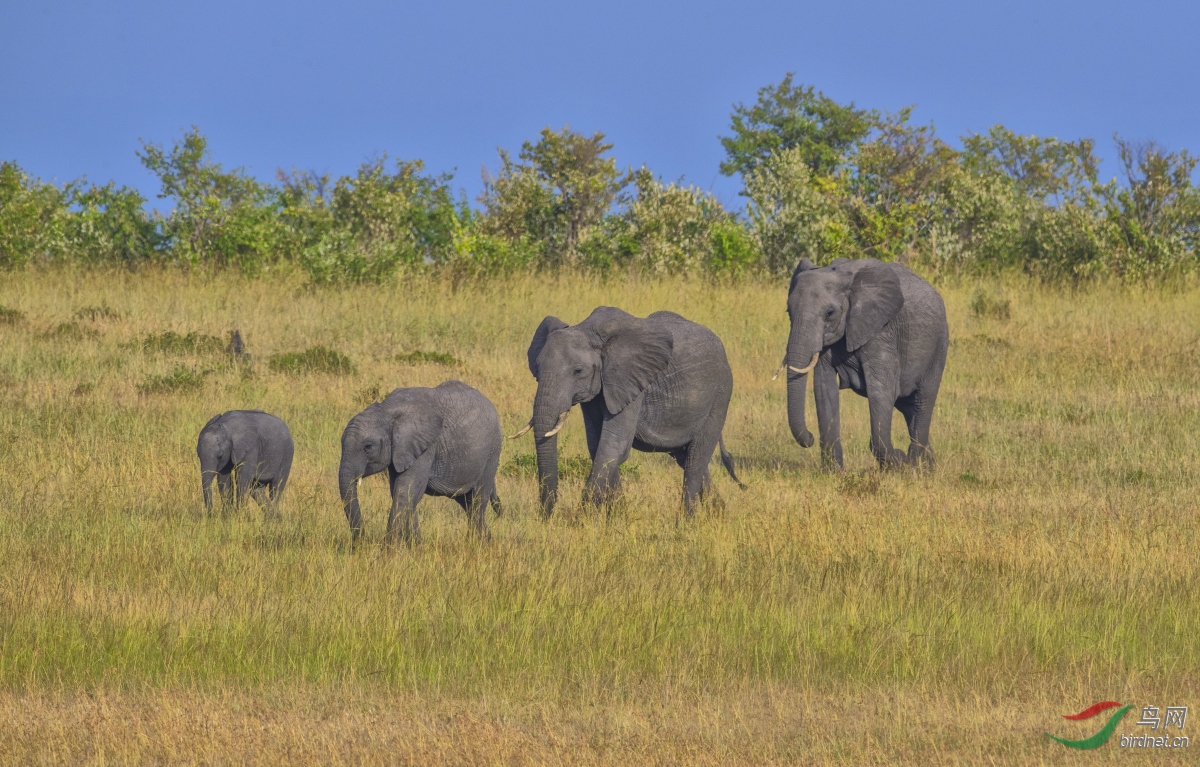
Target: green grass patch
[(422, 357), (315, 359), (100, 312), (989, 305), (70, 331), (10, 316), (181, 379), (170, 342), (569, 467)]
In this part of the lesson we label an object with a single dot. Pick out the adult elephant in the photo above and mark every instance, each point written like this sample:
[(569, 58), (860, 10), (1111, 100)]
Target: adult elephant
[(443, 441), (874, 328), (660, 384)]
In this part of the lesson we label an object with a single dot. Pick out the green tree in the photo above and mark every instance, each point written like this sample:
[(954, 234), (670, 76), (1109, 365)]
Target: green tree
[(1154, 219), (561, 188), (1046, 169), (788, 116), (894, 186), (220, 218)]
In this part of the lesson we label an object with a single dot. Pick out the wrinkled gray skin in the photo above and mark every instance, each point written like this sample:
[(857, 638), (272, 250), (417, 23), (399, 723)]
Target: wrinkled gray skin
[(443, 441), (659, 384), (881, 332), (254, 446)]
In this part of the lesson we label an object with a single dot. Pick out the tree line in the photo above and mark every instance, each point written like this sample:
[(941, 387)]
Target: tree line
[(820, 180)]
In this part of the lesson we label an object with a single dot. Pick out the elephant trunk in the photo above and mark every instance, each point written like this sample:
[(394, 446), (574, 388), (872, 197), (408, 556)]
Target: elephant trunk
[(799, 364), (547, 464), (549, 411), (348, 478)]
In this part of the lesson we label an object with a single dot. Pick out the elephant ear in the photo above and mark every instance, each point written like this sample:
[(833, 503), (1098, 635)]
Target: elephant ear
[(633, 354), (414, 431), (804, 266), (548, 326), (875, 298)]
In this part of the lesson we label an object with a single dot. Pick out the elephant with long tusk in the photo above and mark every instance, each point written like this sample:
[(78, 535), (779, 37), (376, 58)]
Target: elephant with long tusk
[(874, 328), (659, 384)]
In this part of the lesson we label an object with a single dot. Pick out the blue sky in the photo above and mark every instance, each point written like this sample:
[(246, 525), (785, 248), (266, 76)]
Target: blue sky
[(327, 85)]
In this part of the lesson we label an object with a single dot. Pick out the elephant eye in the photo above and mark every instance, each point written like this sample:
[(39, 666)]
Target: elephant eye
[(829, 313), (578, 370)]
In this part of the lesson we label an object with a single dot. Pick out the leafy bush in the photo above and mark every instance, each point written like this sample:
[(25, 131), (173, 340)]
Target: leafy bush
[(372, 224), (793, 214), (110, 225), (181, 379), (315, 359), (669, 228), (32, 218)]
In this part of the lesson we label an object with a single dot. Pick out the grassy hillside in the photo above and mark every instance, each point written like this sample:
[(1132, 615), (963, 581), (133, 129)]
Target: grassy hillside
[(1048, 562)]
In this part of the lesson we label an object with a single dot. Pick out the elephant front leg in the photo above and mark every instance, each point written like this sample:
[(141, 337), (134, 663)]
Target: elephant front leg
[(829, 420), (612, 449), (225, 488), (407, 490)]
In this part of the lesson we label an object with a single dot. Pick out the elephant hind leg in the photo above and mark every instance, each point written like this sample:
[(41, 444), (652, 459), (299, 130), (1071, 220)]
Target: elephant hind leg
[(696, 478), (918, 413), (475, 503)]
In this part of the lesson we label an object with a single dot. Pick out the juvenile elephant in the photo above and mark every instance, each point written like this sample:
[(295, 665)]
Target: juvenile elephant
[(443, 441), (659, 384), (256, 446), (874, 328)]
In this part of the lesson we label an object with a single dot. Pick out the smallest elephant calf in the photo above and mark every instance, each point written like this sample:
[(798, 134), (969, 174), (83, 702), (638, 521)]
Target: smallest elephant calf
[(254, 445)]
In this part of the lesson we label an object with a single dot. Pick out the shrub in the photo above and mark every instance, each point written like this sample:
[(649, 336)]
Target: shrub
[(373, 223), (32, 218), (315, 359), (110, 225)]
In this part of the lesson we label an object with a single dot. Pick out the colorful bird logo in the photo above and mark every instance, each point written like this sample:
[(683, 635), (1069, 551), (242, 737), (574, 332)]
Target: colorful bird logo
[(1101, 737)]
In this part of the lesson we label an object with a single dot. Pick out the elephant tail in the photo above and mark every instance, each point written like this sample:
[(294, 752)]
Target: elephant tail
[(727, 461), (496, 507)]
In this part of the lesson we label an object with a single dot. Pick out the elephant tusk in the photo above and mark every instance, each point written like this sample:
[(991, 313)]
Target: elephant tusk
[(780, 370), (522, 432), (805, 371), (561, 420)]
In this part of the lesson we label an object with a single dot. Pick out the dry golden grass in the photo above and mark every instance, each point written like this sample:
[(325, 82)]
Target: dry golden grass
[(1048, 562)]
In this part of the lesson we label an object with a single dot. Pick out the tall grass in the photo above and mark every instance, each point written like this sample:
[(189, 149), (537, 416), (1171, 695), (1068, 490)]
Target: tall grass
[(1049, 557)]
